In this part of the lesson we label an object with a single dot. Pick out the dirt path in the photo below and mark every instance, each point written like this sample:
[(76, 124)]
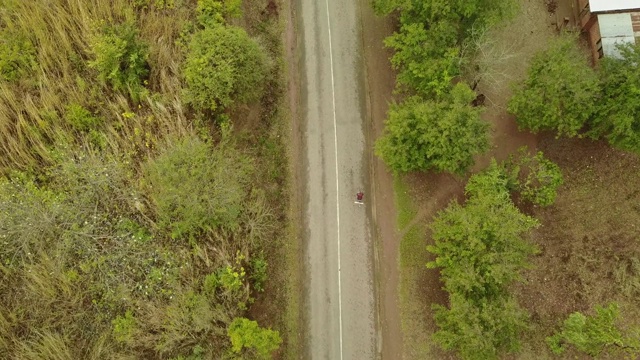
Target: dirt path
[(380, 82)]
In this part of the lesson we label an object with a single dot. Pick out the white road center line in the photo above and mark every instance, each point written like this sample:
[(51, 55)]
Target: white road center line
[(335, 146)]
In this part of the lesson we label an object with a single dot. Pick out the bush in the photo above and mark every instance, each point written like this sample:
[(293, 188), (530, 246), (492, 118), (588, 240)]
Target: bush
[(214, 12), (120, 58), (223, 65), (535, 177), (246, 334), (593, 334), (17, 55), (195, 188), (560, 92), (440, 135), (80, 118)]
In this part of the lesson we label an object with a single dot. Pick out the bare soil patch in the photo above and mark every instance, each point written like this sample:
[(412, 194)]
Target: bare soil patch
[(380, 81)]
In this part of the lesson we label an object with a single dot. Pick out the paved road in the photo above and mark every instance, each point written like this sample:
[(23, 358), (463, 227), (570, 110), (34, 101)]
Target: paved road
[(340, 295)]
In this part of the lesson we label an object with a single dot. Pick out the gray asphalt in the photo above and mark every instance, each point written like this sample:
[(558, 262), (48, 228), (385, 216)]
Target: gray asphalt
[(341, 314)]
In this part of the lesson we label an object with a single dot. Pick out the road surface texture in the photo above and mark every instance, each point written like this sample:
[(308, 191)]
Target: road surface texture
[(340, 303)]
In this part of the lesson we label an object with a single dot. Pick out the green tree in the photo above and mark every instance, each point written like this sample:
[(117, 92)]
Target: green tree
[(427, 59), (246, 334), (120, 58), (440, 135), (619, 116), (480, 251), (195, 188), (593, 334), (560, 91), (479, 246), (479, 331), (223, 65)]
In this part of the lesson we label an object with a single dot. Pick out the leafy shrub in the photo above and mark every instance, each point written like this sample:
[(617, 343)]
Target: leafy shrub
[(17, 55), (246, 334), (593, 334), (440, 135), (259, 273), (619, 116), (120, 58), (213, 12), (124, 327), (535, 177), (223, 65), (80, 118), (559, 92), (195, 188)]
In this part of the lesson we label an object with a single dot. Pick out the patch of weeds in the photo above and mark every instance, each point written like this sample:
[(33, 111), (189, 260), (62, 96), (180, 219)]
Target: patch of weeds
[(124, 327), (259, 272), (80, 118)]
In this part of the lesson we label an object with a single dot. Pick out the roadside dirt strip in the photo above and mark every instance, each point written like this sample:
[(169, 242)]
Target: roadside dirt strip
[(340, 297)]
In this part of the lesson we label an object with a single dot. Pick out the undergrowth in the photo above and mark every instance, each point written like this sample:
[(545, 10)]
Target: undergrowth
[(134, 225)]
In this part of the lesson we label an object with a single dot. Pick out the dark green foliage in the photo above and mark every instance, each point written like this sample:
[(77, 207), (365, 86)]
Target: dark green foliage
[(594, 334), (17, 55), (439, 135), (560, 92), (247, 337), (120, 58), (223, 65), (195, 188), (534, 177), (619, 111), (480, 250)]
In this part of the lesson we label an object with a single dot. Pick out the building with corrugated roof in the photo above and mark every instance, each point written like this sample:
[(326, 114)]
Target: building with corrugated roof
[(609, 23)]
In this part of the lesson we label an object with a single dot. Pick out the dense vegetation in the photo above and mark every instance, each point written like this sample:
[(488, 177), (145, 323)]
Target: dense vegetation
[(481, 249), (136, 222), (439, 135), (429, 58), (563, 93)]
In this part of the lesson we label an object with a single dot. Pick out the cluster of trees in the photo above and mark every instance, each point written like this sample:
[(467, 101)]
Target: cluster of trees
[(131, 227), (480, 248), (429, 60), (565, 94)]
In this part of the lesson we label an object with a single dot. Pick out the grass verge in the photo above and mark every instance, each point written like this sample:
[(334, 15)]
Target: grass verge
[(414, 310)]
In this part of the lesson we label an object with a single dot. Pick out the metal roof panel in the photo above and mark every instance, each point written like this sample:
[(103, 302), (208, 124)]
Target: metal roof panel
[(613, 5)]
